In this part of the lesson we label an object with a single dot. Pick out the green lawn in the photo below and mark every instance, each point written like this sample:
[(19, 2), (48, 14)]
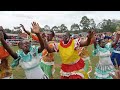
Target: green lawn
[(19, 73)]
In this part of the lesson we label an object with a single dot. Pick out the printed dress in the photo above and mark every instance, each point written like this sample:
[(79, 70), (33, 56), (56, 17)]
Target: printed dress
[(104, 66), (30, 63)]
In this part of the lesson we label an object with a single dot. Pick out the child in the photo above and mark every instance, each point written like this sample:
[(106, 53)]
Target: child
[(28, 56), (47, 61), (104, 66), (5, 69)]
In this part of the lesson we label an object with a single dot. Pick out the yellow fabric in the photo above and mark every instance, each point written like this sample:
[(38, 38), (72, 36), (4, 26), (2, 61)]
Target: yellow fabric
[(84, 73), (48, 57), (68, 55), (84, 53)]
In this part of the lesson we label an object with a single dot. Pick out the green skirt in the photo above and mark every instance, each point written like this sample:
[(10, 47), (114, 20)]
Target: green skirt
[(47, 69)]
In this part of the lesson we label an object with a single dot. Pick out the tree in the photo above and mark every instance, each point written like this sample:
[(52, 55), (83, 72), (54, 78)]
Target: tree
[(85, 23), (7, 30), (47, 28), (108, 26), (92, 24), (75, 28), (98, 27), (55, 28), (62, 28)]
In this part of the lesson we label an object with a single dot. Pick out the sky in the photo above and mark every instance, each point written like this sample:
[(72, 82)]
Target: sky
[(10, 19)]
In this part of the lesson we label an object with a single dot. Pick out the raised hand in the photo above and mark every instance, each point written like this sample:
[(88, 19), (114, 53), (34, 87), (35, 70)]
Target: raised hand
[(22, 26), (1, 35), (1, 29), (35, 27)]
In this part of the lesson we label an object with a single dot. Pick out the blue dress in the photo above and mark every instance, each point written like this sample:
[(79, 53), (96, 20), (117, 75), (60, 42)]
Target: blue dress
[(115, 57)]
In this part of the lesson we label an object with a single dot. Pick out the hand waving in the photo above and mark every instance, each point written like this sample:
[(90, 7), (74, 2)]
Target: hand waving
[(35, 27), (22, 26)]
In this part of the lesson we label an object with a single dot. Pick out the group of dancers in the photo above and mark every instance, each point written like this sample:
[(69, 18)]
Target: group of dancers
[(37, 61)]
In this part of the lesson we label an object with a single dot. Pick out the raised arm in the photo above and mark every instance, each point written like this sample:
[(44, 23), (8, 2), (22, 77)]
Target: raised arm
[(25, 29), (36, 30), (87, 42), (116, 40), (50, 50), (6, 46), (5, 35)]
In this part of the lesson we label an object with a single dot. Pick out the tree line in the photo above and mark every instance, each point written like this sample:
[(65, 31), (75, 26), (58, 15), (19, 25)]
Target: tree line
[(85, 24)]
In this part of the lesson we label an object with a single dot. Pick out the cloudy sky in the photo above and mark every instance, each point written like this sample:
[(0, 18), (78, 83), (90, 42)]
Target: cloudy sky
[(9, 19)]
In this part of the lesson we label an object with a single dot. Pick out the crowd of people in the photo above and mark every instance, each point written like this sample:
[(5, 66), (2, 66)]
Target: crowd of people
[(37, 61)]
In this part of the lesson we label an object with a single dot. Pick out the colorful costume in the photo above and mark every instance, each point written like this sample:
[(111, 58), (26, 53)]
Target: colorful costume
[(84, 54), (115, 57), (72, 65), (47, 61), (5, 70), (104, 66), (30, 63)]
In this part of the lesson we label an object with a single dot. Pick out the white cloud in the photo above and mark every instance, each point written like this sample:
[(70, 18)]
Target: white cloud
[(9, 19)]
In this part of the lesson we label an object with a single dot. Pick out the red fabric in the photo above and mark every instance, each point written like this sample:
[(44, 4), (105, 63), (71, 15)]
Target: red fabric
[(3, 53), (72, 77), (66, 45), (74, 67), (35, 37)]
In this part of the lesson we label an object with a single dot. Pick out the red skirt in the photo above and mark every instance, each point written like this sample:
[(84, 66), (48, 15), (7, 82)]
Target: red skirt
[(74, 67)]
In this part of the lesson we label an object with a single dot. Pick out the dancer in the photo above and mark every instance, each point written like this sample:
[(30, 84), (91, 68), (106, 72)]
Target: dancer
[(5, 69), (115, 57), (72, 64), (104, 66), (47, 60), (28, 57)]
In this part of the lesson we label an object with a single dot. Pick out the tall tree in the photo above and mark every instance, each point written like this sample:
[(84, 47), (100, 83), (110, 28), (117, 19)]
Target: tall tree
[(85, 23), (63, 28), (92, 24), (47, 28), (75, 28), (108, 26), (55, 28)]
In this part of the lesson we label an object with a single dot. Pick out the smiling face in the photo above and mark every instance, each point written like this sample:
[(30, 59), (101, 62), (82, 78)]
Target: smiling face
[(66, 37), (25, 46)]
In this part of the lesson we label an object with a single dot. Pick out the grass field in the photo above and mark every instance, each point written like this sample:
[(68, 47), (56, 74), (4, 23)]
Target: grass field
[(19, 73)]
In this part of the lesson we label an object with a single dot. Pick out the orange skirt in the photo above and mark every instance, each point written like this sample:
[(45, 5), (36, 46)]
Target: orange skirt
[(3, 53)]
